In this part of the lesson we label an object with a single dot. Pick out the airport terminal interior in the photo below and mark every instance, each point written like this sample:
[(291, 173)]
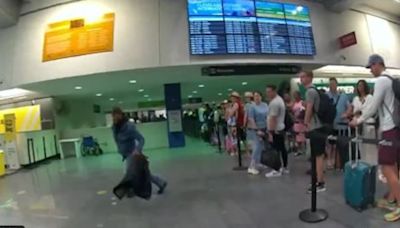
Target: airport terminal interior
[(222, 97)]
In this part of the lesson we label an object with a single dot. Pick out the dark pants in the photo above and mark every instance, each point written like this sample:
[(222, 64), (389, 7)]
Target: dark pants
[(279, 145)]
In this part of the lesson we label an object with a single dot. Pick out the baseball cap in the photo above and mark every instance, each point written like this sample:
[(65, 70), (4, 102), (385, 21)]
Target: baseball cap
[(235, 94), (248, 94), (375, 59)]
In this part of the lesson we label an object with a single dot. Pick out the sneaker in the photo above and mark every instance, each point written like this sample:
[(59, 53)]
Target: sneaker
[(273, 173), (393, 216), (253, 171), (320, 188), (386, 204), (285, 171)]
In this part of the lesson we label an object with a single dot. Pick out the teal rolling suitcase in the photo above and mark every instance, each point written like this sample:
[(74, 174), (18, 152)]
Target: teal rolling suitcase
[(359, 181)]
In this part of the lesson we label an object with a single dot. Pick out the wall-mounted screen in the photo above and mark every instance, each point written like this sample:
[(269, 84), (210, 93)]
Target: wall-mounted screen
[(249, 27)]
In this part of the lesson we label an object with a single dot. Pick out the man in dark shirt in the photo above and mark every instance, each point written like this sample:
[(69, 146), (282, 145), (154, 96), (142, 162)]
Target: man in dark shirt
[(130, 142)]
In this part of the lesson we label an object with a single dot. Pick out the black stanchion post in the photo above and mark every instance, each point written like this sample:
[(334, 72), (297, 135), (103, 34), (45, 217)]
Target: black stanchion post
[(313, 215), (240, 167), (219, 138)]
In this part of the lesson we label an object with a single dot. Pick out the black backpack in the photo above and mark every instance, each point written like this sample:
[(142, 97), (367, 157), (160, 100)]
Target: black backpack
[(288, 121), (326, 110), (396, 91)]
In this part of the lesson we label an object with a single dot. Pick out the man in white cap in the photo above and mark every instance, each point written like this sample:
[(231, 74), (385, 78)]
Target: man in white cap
[(384, 102)]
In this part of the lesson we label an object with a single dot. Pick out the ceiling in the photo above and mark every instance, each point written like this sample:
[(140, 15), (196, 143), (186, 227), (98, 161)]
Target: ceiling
[(9, 12), (116, 85), (388, 6)]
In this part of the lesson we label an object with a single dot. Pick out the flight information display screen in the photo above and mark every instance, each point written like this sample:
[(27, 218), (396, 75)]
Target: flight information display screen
[(249, 27)]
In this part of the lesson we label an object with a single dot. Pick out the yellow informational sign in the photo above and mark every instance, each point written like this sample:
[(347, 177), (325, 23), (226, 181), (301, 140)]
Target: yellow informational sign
[(9, 143), (25, 119), (9, 127), (76, 37)]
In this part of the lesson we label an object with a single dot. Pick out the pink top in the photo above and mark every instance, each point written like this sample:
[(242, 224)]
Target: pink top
[(298, 111)]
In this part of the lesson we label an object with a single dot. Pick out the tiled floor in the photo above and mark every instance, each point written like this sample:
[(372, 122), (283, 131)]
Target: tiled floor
[(203, 192)]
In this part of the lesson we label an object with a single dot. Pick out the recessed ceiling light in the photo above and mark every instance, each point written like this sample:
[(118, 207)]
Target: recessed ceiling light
[(244, 83), (230, 89), (146, 96), (132, 81), (112, 99), (149, 99), (201, 86), (190, 96), (78, 87), (99, 95), (195, 92), (219, 94), (141, 90)]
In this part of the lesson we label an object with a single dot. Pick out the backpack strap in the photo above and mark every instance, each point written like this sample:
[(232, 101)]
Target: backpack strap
[(384, 105), (338, 99), (315, 112)]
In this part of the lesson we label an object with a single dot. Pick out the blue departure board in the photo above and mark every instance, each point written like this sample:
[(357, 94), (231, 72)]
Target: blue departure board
[(249, 27)]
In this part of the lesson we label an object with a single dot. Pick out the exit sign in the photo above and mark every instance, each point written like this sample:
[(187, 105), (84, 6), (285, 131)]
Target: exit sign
[(348, 40)]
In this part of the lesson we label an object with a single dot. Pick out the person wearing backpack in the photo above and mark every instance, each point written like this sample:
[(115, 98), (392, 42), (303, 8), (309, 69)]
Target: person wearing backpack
[(386, 101), (319, 117)]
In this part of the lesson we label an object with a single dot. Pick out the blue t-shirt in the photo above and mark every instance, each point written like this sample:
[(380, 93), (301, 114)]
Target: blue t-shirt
[(259, 114), (342, 102)]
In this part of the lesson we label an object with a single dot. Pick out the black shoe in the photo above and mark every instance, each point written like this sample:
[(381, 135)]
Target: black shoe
[(162, 188), (320, 188)]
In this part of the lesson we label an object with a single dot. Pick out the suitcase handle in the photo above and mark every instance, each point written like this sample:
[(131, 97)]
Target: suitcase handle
[(357, 140)]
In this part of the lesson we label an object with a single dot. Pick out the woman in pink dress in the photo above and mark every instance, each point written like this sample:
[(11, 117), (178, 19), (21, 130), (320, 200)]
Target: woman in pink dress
[(299, 127)]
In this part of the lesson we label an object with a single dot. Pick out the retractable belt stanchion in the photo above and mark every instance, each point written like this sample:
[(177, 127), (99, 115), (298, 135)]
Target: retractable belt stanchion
[(218, 132), (240, 166), (313, 215)]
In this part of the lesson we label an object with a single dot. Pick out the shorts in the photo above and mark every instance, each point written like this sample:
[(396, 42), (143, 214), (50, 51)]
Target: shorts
[(318, 141), (299, 129), (250, 136), (389, 154)]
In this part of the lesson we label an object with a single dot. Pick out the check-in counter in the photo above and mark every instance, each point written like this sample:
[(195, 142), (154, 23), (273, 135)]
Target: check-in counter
[(35, 146)]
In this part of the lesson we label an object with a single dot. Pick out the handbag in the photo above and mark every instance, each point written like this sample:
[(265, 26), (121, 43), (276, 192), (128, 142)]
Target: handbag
[(270, 157)]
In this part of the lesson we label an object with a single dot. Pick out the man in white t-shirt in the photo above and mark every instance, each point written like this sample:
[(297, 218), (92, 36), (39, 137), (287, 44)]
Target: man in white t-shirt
[(276, 127), (383, 102)]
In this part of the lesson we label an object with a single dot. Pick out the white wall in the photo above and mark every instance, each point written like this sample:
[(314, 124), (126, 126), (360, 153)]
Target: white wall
[(374, 35), (7, 44), (151, 33), (135, 44), (385, 39), (77, 114), (155, 135)]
